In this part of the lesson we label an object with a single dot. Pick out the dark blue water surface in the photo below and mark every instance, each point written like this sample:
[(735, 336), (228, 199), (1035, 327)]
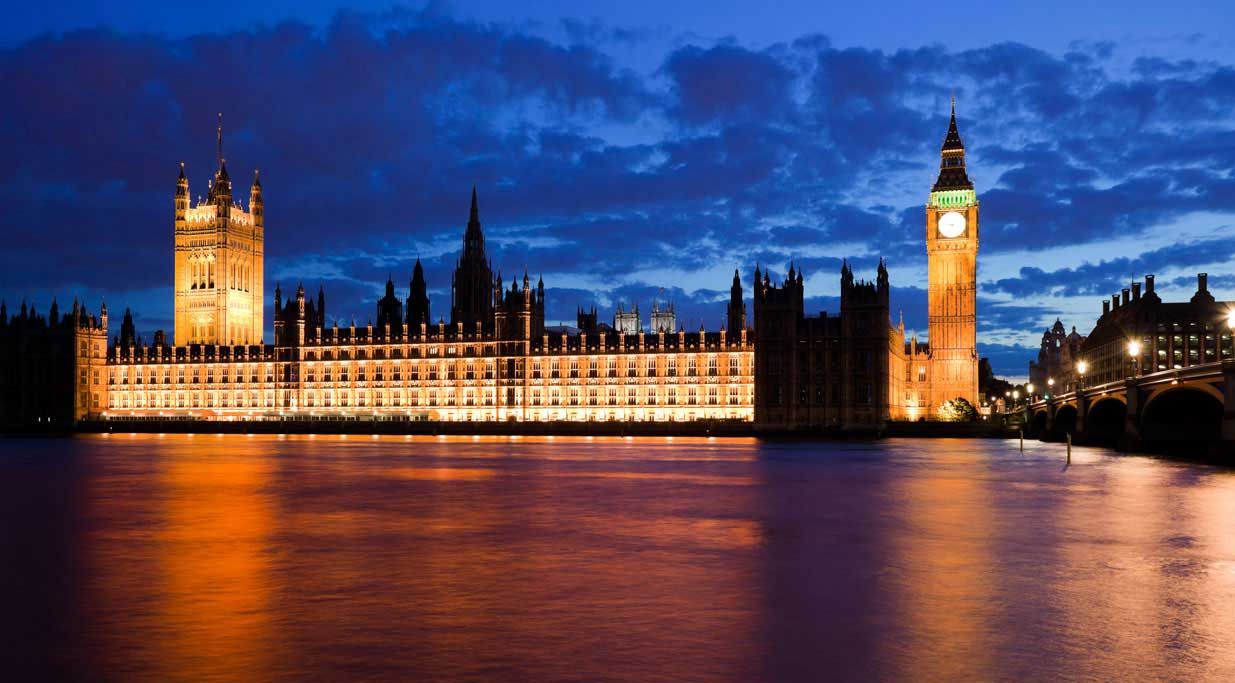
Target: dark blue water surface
[(208, 557)]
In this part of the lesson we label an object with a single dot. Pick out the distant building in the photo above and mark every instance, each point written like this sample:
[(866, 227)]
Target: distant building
[(736, 313), (1170, 335), (664, 319), (52, 369), (1057, 358), (627, 322), (990, 387), (586, 320)]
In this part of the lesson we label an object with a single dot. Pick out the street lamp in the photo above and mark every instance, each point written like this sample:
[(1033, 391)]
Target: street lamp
[(1081, 368), (1029, 391), (1050, 386), (1230, 326), (1016, 397), (1134, 352)]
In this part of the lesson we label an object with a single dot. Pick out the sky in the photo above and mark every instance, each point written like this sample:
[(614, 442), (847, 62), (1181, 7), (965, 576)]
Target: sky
[(626, 151)]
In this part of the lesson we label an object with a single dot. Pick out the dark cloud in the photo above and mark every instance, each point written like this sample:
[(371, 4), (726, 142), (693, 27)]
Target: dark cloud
[(1109, 276), (371, 131)]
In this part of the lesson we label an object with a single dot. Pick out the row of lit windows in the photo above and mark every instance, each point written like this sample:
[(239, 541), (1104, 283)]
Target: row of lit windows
[(572, 368), (572, 396)]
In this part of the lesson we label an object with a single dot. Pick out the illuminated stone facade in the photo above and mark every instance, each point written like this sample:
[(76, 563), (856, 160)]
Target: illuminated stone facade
[(1171, 335), (219, 262), (440, 373), (495, 362), (950, 358)]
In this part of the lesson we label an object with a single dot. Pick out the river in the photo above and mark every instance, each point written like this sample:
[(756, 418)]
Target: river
[(257, 558)]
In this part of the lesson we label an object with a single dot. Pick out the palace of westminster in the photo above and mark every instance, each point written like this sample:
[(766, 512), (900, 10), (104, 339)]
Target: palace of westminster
[(495, 360)]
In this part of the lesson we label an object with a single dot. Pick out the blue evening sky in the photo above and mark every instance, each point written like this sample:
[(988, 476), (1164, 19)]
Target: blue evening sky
[(626, 148)]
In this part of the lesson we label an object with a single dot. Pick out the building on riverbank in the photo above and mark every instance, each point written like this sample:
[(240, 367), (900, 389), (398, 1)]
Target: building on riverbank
[(1165, 335), (1057, 358), (858, 370), (496, 362), (52, 369)]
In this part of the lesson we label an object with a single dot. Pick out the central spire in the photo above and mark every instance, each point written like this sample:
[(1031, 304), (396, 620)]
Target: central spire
[(952, 175), (219, 153), (473, 237)]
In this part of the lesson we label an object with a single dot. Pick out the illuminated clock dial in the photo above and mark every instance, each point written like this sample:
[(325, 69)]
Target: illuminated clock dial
[(951, 224)]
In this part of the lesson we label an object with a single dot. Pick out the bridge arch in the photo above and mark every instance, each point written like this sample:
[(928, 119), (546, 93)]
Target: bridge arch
[(1038, 421), (1105, 419), (1065, 420), (1182, 413), (1203, 387)]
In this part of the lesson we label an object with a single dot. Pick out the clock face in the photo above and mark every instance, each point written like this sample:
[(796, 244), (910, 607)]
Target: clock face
[(951, 224)]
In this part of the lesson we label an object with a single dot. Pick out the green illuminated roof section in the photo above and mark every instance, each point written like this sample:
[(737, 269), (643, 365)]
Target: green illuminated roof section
[(953, 199)]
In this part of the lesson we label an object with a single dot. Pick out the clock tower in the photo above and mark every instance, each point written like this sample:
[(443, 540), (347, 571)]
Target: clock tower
[(952, 256)]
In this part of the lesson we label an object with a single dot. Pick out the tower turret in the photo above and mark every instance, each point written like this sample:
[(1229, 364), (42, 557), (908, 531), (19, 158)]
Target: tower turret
[(321, 307), (256, 205), (737, 308), (390, 311), (418, 299), (182, 197), (128, 332)]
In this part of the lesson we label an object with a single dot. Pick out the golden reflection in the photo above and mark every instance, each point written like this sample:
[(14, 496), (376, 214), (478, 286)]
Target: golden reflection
[(188, 555), (940, 582)]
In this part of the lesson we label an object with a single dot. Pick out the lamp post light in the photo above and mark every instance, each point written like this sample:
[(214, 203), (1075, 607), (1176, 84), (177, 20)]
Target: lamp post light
[(1029, 391), (1230, 326), (1134, 352), (1016, 396), (1050, 386), (1081, 368)]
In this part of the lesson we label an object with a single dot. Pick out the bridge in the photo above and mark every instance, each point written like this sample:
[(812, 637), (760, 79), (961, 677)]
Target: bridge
[(1193, 405)]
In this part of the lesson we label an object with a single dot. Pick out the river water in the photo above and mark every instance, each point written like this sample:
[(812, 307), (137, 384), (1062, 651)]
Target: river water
[(209, 557)]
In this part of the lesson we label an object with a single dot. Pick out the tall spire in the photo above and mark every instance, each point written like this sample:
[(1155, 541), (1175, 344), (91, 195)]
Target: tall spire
[(952, 175), (952, 140), (474, 216), (219, 153)]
